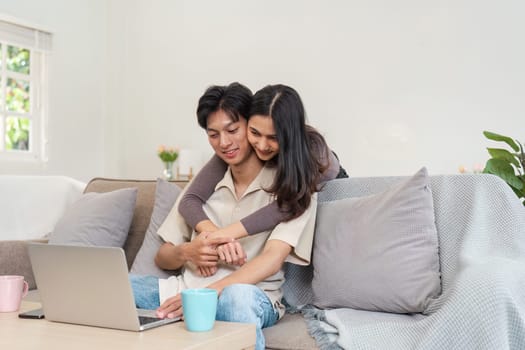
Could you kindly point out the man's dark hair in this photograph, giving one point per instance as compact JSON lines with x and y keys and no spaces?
{"x":235,"y":100}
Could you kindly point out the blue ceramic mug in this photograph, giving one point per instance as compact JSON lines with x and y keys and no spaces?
{"x":199,"y":306}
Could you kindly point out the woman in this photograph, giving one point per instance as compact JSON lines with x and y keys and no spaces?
{"x":278,"y":132}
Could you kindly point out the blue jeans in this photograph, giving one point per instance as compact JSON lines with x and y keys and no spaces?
{"x":248,"y":304}
{"x":237,"y":303}
{"x":145,"y":291}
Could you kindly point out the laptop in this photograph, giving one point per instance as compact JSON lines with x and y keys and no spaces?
{"x":88,"y":286}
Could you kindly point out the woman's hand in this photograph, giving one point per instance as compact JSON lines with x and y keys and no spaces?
{"x":232,"y":253}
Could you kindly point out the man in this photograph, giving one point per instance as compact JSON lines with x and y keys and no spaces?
{"x":249,"y":293}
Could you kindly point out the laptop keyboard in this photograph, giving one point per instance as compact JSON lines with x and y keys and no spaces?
{"x":145,"y":319}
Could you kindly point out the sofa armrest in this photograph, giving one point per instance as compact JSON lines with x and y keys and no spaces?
{"x":14,"y":260}
{"x":29,"y":196}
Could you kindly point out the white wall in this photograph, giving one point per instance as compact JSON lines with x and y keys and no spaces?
{"x":392,"y":85}
{"x":77,"y":110}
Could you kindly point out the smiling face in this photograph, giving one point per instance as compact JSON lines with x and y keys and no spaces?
{"x":228,"y":138}
{"x":262,"y":137}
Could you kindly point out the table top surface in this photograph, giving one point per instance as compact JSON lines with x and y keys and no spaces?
{"x":43,"y":334}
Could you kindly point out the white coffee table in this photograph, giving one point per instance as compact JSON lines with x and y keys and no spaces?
{"x":17,"y":333}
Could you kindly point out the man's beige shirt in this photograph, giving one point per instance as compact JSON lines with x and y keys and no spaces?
{"x":223,"y":208}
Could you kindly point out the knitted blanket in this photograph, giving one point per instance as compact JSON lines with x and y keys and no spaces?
{"x":481,"y":229}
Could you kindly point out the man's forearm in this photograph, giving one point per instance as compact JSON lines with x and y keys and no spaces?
{"x":201,"y":251}
{"x":170,"y":257}
{"x":259,"y":268}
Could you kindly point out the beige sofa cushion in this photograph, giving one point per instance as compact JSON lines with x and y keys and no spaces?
{"x":15,"y":260}
{"x":289,"y":333}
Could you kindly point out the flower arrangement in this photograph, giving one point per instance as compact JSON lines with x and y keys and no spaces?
{"x":476,"y":169}
{"x":167,"y":154}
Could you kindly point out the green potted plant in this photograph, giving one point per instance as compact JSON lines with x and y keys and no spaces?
{"x":508,"y":165}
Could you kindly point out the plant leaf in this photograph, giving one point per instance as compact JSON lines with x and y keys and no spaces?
{"x":519,"y":193}
{"x":503,"y":169}
{"x":505,"y":155}
{"x":498,"y":137}
{"x":521,"y":157}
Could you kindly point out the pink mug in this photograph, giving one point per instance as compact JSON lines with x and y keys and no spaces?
{"x":12,"y":290}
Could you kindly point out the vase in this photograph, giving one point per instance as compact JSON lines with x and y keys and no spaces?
{"x":168,"y":171}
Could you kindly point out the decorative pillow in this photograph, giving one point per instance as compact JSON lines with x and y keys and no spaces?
{"x":97,"y":219}
{"x":378,"y":252}
{"x":165,"y":196}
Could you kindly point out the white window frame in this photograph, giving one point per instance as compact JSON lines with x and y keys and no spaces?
{"x":38,"y":42}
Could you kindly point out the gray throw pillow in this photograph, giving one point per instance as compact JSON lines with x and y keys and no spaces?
{"x":97,"y":219}
{"x":378,"y":252}
{"x":165,"y":196}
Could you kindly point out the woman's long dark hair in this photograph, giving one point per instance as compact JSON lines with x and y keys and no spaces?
{"x":302,"y":150}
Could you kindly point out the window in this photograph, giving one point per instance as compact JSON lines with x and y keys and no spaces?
{"x":23,"y":91}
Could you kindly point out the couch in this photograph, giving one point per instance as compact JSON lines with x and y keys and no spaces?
{"x":480,"y":303}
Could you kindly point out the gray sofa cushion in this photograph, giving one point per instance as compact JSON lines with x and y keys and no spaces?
{"x":97,"y":219}
{"x":143,"y":208}
{"x":165,"y":196}
{"x":378,"y":252}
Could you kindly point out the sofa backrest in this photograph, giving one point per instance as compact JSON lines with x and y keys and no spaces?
{"x":464,"y":206}
{"x":475,"y":215}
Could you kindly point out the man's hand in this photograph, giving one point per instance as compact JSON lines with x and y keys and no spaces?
{"x":206,"y":228}
{"x":171,"y":308}
{"x":231,"y":253}
{"x":202,"y":250}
